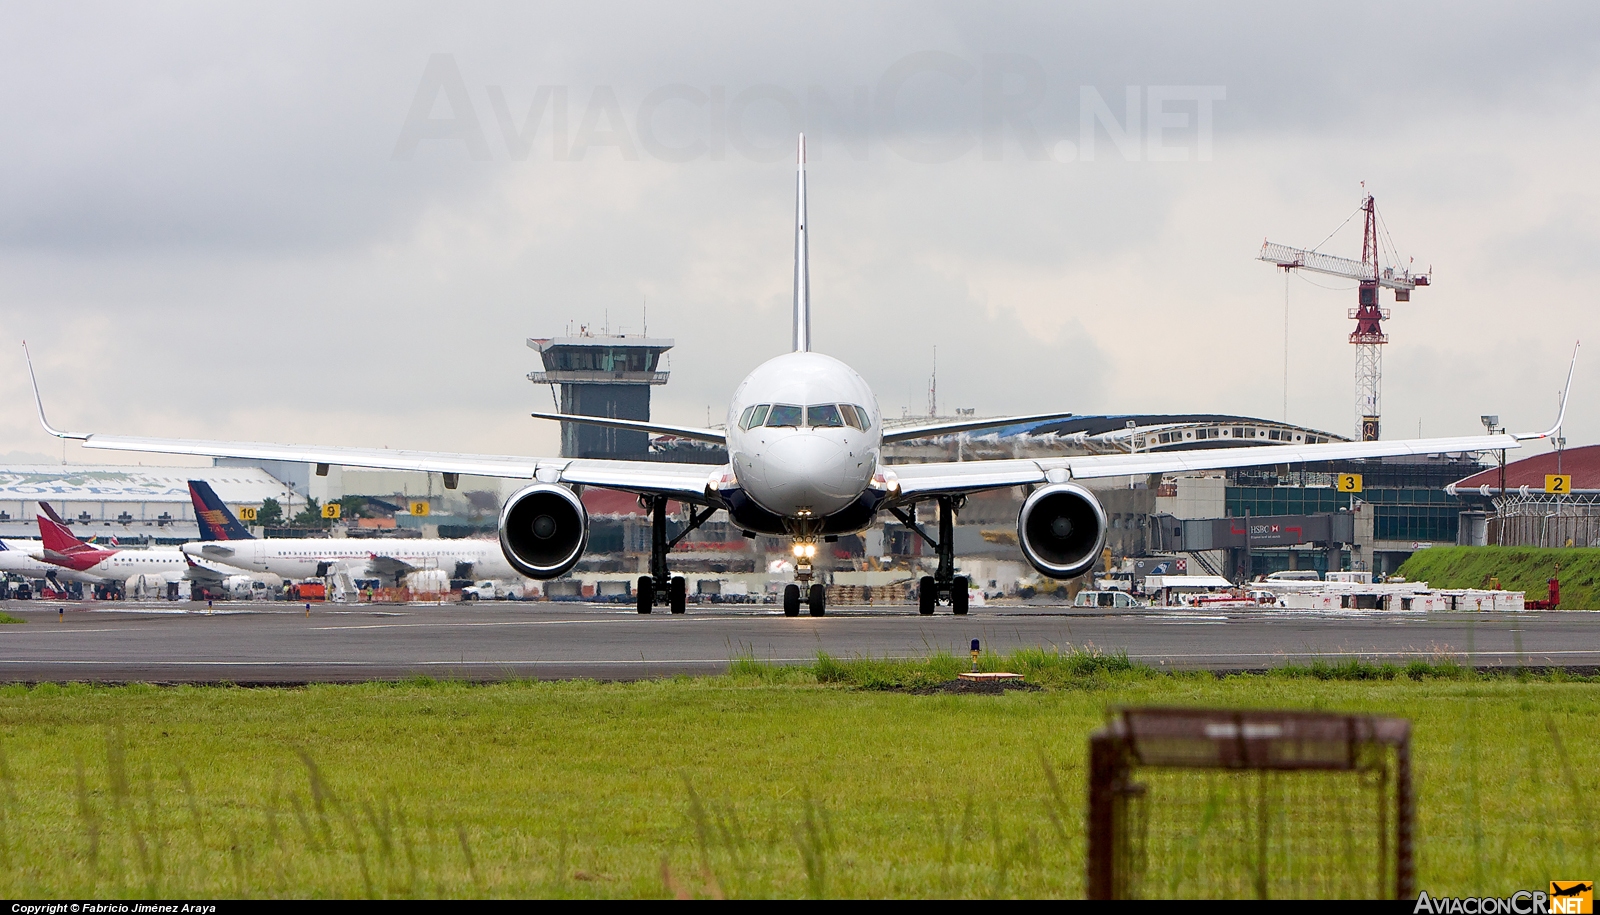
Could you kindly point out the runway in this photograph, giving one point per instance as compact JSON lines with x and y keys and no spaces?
{"x":280,"y":643}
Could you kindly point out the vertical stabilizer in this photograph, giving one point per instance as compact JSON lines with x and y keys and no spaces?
{"x":215,"y":520}
{"x":802,"y":261}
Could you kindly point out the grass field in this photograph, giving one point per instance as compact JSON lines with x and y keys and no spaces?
{"x":1518,"y":568}
{"x":831,"y":780}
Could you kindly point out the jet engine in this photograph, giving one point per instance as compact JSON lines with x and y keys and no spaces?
{"x":1062,"y":529}
{"x":543,"y":530}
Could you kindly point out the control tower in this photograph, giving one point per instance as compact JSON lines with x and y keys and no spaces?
{"x":602,"y":375}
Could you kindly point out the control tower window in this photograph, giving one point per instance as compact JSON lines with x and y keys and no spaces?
{"x":784,"y":415}
{"x":824,"y":416}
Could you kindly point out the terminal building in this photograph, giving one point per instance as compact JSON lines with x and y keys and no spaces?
{"x":136,"y":505}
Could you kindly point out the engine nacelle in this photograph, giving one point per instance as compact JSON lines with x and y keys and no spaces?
{"x":1062,"y":529}
{"x":543,"y":530}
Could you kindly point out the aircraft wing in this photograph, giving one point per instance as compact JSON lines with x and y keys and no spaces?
{"x":687,"y":481}
{"x":200,"y":571}
{"x":948,"y":477}
{"x":932,"y":430}
{"x":715,"y":436}
{"x":389,"y":567}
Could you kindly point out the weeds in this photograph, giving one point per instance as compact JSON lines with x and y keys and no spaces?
{"x":811,"y":780}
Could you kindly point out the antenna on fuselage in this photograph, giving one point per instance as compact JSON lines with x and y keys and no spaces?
{"x":802,"y":266}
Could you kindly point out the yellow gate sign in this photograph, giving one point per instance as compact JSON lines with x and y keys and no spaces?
{"x":1558,"y":483}
{"x":331,"y":510}
{"x":246,"y":513}
{"x":421,"y":508}
{"x":1349,"y":482}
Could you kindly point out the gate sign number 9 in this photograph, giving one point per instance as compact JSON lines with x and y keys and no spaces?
{"x":331,"y":510}
{"x":1349,"y":482}
{"x":1559,"y":483}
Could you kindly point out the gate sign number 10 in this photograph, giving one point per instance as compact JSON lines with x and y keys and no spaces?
{"x":1349,"y":482}
{"x":1559,"y":483}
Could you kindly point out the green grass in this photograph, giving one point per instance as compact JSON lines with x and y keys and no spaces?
{"x":1518,"y":568}
{"x":8,"y":618}
{"x":831,"y":779}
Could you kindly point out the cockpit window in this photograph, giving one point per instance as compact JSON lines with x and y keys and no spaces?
{"x":824,"y":416}
{"x":754,"y":417}
{"x":855,"y":416}
{"x":784,"y":415}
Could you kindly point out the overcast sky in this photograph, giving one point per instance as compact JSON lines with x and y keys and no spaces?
{"x":339,"y":223}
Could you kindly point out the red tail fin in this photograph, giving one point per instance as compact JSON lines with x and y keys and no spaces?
{"x":55,"y":534}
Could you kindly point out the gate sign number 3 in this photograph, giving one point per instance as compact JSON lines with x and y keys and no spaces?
{"x":1349,"y":482}
{"x":1560,"y":483}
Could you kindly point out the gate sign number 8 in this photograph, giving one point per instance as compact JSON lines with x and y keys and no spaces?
{"x":1349,"y":482}
{"x":1559,"y":483}
{"x":420,"y":508}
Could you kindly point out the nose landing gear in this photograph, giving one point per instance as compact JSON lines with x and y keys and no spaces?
{"x":660,"y":586}
{"x":815,"y":595}
{"x":944,"y":585}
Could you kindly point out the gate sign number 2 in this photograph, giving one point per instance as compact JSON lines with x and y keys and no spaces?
{"x":1559,"y":483}
{"x":1349,"y":482}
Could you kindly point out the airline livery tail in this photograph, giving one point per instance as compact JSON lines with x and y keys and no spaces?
{"x":61,"y":545}
{"x":216,"y":522}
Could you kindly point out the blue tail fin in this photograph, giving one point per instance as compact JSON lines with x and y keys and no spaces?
{"x":216,"y":522}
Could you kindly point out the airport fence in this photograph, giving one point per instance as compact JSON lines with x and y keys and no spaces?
{"x":1200,"y":803}
{"x":1545,"y":522}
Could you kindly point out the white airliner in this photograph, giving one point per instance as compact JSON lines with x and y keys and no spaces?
{"x":804,"y":436}
{"x":224,"y":540}
{"x":17,"y":558}
{"x":114,"y":568}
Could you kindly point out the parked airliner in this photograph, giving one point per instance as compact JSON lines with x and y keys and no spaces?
{"x":112,"y":568}
{"x":224,"y":540}
{"x":804,"y":436}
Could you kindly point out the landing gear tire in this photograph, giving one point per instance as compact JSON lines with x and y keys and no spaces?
{"x":791,"y":600}
{"x":958,"y":595}
{"x":927,"y":595}
{"x":680,"y":594}
{"x":818,"y":600}
{"x":645,"y":593}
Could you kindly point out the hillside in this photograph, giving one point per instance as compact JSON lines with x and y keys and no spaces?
{"x":1519,"y":569}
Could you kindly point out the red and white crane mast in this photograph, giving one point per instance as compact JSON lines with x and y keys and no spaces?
{"x":1368,"y":337}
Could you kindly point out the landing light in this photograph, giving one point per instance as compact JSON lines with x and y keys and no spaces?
{"x":804,"y":550}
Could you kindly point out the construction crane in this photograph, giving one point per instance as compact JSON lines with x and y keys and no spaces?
{"x":1369,"y":316}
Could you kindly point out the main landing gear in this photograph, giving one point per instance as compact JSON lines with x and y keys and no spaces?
{"x":944,"y":585}
{"x":660,"y":586}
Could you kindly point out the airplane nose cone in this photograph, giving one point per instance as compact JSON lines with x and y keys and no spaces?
{"x":808,"y":471}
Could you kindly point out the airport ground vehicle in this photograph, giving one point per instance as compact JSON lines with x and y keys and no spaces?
{"x":1106,"y":600}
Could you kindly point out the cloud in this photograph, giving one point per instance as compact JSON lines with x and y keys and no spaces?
{"x":205,"y":229}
